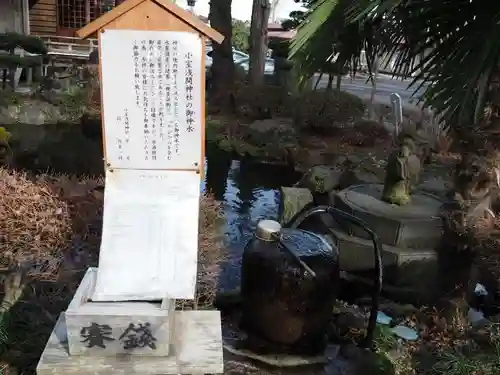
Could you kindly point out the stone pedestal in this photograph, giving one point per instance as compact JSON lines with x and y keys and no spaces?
{"x":132,"y":338}
{"x":409,"y":234}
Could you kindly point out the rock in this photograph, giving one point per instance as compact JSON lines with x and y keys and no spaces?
{"x":383,"y":319}
{"x":374,"y":364}
{"x":397,"y":310}
{"x":292,"y":201}
{"x":342,"y":173}
{"x":405,"y":333}
{"x":350,"y":351}
{"x":277,"y":360}
{"x":348,"y":322}
{"x":436,"y":186}
{"x":367,"y":362}
{"x":29,"y":112}
{"x":358,"y":171}
{"x":476,"y":318}
{"x":320,"y":179}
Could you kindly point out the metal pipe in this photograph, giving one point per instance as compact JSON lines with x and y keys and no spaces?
{"x":335,"y":213}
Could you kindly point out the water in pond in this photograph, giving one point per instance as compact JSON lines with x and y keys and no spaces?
{"x":249,"y":192}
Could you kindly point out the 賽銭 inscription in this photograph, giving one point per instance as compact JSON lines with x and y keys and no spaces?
{"x":138,"y":336}
{"x":135,"y":336}
{"x":152,"y":95}
{"x":96,"y":335}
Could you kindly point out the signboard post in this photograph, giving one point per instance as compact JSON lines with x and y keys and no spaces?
{"x":152,"y":74}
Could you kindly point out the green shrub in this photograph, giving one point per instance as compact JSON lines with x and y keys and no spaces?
{"x":323,"y":111}
{"x":255,"y":101}
{"x":31,"y":44}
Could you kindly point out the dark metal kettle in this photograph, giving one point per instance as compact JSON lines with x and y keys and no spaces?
{"x":290,"y":280}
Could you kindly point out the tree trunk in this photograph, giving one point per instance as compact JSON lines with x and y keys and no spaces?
{"x":258,"y":41}
{"x":222,"y":70}
{"x":329,"y":86}
{"x":339,"y":81}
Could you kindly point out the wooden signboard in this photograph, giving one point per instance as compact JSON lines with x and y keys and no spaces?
{"x":152,"y":73}
{"x":122,"y":318}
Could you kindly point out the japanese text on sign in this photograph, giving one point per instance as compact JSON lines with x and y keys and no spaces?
{"x":133,"y":337}
{"x":152,"y":94}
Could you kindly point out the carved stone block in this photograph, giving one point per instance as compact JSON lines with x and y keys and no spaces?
{"x":113,"y":328}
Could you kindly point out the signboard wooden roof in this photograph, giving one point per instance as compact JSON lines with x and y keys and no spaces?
{"x":146,"y":17}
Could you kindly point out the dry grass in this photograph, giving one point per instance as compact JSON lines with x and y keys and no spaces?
{"x":210,"y":255}
{"x":35,"y":225}
{"x":84,"y":197}
{"x":81,"y":201}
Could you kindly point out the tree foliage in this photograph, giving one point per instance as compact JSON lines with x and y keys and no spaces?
{"x":241,"y":33}
{"x":453,"y":46}
{"x":324,"y":37}
{"x":10,"y":41}
{"x":296,"y":17}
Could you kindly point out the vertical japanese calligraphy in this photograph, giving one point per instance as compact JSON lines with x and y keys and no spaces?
{"x":190,"y":111}
{"x":175,"y":74}
{"x":152,"y":95}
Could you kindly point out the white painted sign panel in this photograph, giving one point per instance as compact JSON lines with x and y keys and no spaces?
{"x":152,"y":99}
{"x":149,"y":246}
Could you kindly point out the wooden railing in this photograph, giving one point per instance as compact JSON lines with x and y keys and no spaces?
{"x":69,"y":47}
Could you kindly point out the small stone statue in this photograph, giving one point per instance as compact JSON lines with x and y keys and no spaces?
{"x":476,"y":177}
{"x":402,"y":172}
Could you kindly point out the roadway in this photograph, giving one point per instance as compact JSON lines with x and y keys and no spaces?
{"x":386,"y":85}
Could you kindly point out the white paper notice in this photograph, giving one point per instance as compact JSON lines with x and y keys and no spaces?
{"x":152,"y":96}
{"x":149,"y":245}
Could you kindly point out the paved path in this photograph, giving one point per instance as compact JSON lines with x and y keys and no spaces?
{"x":386,"y":85}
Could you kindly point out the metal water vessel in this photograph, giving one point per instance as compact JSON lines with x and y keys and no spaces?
{"x":290,"y":282}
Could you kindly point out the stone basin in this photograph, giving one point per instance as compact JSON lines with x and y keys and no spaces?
{"x":409,"y":235}
{"x":416,"y":226}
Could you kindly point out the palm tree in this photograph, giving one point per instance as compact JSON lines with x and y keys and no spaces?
{"x":451,"y":45}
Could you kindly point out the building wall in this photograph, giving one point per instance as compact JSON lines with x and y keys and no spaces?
{"x":11,"y":16}
{"x":43,"y":18}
